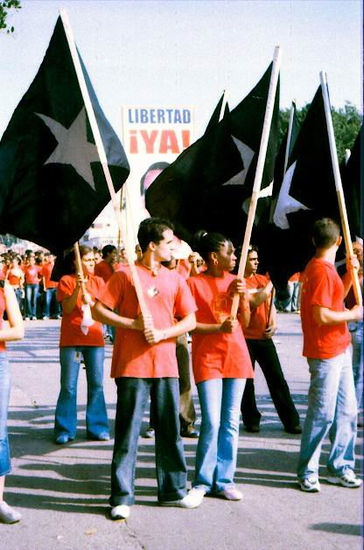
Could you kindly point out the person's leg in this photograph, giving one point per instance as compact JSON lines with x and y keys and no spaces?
{"x":97,"y":423}
{"x":66,"y":409}
{"x":322,"y":399}
{"x":357,"y":359}
{"x":266,"y":356}
{"x":7,"y":514}
{"x":4,"y":404}
{"x":47,"y":303}
{"x":343,"y":430}
{"x":210,"y":395}
{"x":187,"y":412}
{"x":28,"y":300}
{"x":249,"y":411}
{"x":227,"y":452}
{"x":33,"y":300}
{"x":170,"y":461}
{"x":132,"y":397}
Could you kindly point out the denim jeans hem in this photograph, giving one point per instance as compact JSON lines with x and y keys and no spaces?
{"x":117,"y":501}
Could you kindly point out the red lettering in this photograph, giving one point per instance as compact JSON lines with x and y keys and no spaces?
{"x":168,"y":142}
{"x":185,"y":138}
{"x":133,"y":147}
{"x":149,"y":139}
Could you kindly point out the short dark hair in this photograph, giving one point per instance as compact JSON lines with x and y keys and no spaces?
{"x":325,"y":232}
{"x":205,"y":243}
{"x":108,"y":248}
{"x":151,"y":231}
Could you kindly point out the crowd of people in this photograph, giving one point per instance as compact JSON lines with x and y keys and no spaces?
{"x":149,"y":313}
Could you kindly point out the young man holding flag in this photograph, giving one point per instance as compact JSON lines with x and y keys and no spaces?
{"x":144,"y":363}
{"x":332,"y":408}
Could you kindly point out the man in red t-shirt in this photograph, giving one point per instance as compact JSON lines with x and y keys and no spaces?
{"x":258,"y":335}
{"x":144,"y":363}
{"x":332,"y":408}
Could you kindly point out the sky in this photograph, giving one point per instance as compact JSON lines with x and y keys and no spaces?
{"x":172,"y":53}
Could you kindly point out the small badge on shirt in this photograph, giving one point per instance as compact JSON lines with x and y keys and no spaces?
{"x":152,"y":291}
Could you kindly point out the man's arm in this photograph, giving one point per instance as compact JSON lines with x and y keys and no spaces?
{"x":186,"y":324}
{"x":261,"y":295}
{"x":108,"y":317}
{"x":326,"y":316}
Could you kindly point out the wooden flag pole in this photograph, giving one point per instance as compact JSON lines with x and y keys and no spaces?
{"x":100,"y":150}
{"x":258,"y":172}
{"x":289,"y":135}
{"x":339,"y":186}
{"x":79,"y":268}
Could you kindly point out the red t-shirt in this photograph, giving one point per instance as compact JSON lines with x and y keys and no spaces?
{"x":217,"y":355}
{"x":46,"y":272}
{"x":71,"y":334}
{"x":167,"y":296}
{"x":258,"y":315}
{"x":104,"y":270}
{"x":323,"y":287}
{"x":31,"y":274}
{"x":2,"y":309}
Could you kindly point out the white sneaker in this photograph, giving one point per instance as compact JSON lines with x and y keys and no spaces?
{"x":348,"y":479}
{"x":230,"y":493}
{"x":120,"y":512}
{"x":309,"y":485}
{"x":195,"y":497}
{"x":189,"y":501}
{"x":8,"y":514}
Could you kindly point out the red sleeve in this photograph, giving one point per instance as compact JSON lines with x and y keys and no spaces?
{"x":66,"y":287}
{"x":184,"y":303}
{"x":114,"y":289}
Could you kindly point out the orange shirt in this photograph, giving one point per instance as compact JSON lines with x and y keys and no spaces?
{"x":167,"y":296}
{"x":258,"y":315}
{"x":46,"y":272}
{"x":2,"y":310}
{"x":31,"y":273}
{"x":323,"y":287}
{"x":71,"y":334}
{"x":217,"y":355}
{"x":104,"y":270}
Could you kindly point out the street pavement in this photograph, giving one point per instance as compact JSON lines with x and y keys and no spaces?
{"x":62,"y":491}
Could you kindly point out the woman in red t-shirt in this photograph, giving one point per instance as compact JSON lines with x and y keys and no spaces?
{"x":13,"y":330}
{"x":221,"y":363}
{"x":32,"y":277}
{"x":80,"y":336}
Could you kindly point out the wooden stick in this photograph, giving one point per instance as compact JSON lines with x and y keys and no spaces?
{"x":79,"y":268}
{"x":100,"y":149}
{"x":339,"y":187}
{"x":258,"y":173}
{"x":270,"y":309}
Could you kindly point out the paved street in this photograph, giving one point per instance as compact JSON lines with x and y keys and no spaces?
{"x":62,"y":491}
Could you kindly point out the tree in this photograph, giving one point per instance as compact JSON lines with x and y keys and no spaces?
{"x":346,"y":121}
{"x":5,"y":6}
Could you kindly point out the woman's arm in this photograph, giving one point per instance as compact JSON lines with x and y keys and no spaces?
{"x":15,"y":328}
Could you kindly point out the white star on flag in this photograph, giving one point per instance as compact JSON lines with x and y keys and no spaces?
{"x":73,"y":147}
{"x":247,"y":155}
{"x":285,"y":203}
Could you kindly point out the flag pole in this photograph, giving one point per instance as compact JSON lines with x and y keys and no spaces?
{"x":100,"y":149}
{"x":339,"y":186}
{"x":289,"y":135}
{"x":258,"y":172}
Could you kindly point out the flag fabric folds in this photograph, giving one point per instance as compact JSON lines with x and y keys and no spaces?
{"x":306,"y":193}
{"x":52,"y":185}
{"x":208,"y":184}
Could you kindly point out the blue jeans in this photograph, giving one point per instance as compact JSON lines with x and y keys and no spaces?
{"x":49,"y":297}
{"x":332,"y":411}
{"x":133,"y":394}
{"x":66,"y":410}
{"x":31,"y":295}
{"x":356,"y":331}
{"x":217,"y":447}
{"x":4,"y":403}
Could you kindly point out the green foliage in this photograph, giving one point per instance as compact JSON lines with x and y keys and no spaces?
{"x":346,"y":122}
{"x":5,"y":6}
